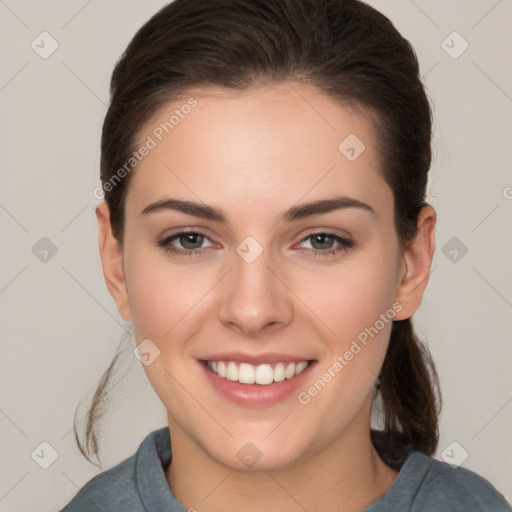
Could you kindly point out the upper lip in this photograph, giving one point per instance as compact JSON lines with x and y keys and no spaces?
{"x":255,"y":359}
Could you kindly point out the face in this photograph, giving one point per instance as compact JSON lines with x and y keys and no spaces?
{"x":259,"y":246}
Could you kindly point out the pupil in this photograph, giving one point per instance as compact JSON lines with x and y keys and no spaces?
{"x":191,"y":239}
{"x":322,"y":239}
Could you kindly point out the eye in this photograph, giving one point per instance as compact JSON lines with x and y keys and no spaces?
{"x":326,"y":244}
{"x":190,"y":243}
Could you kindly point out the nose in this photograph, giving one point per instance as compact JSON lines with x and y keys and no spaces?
{"x":255,"y":297}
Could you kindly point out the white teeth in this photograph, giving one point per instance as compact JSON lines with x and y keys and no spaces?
{"x":300,"y":367}
{"x":232,"y":371}
{"x":262,"y":374}
{"x":245,"y":374}
{"x":289,"y":371}
{"x":279,"y":372}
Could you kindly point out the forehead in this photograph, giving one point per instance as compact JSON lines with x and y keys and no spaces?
{"x":273,"y":144}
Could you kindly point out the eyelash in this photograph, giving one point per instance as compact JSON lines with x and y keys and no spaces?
{"x":165,"y":244}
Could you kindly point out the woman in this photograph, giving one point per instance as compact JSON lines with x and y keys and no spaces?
{"x":265,"y":229}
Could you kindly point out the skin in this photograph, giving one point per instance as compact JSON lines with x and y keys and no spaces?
{"x":254,"y":154}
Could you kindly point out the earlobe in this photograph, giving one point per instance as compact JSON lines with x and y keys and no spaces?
{"x":112,"y":261}
{"x":416,"y":264}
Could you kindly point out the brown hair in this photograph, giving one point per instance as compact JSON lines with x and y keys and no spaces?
{"x":347,"y":50}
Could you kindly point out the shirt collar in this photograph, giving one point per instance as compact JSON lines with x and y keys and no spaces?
{"x":153,"y":458}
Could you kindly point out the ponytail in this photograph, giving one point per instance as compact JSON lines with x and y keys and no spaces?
{"x":408,"y":391}
{"x":95,"y":412}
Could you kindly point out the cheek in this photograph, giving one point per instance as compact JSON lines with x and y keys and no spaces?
{"x":352,"y":296}
{"x":355,"y":302}
{"x":354,"y":305}
{"x":160,"y":297}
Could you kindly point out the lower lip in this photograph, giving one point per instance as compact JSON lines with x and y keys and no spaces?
{"x":257,"y":395}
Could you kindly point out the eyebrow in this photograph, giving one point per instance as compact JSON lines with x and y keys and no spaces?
{"x":295,"y":213}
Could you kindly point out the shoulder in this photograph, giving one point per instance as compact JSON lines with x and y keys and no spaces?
{"x":444,"y":487}
{"x":110,"y":490}
{"x":119,"y":488}
{"x":429,"y":485}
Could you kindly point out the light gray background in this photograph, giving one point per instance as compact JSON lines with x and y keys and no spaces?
{"x":59,"y":325}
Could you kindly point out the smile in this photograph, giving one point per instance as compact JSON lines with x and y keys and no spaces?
{"x":263,"y":374}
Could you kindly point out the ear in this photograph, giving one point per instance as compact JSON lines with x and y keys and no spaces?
{"x":416,"y":263}
{"x":111,"y":254}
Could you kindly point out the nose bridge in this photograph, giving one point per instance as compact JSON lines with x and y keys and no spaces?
{"x":254,"y":297}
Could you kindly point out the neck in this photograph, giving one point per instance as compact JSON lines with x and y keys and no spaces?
{"x":346,"y":475}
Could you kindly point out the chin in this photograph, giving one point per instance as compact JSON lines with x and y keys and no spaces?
{"x":241,"y":454}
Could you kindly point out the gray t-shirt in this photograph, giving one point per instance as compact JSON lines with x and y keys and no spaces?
{"x":138,"y":484}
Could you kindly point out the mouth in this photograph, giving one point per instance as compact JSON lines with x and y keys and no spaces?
{"x":262,"y":374}
{"x":257,"y":382}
